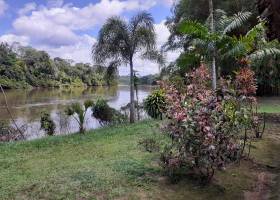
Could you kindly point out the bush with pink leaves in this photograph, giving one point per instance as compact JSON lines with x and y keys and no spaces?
{"x":206,"y":126}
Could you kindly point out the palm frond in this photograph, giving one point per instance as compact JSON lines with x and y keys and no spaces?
{"x":236,"y":21}
{"x":194,"y":29}
{"x":113,"y":41}
{"x":237,"y":48}
{"x":264,"y":53}
{"x":257,"y":32}
{"x":142,"y":31}
{"x":155,"y":56}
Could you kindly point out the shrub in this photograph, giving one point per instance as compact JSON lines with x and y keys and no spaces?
{"x":105,"y":114}
{"x":9,"y":133}
{"x":47,"y":124}
{"x":149,"y":145}
{"x":205,"y":126}
{"x":79,"y":112}
{"x":155,"y":104}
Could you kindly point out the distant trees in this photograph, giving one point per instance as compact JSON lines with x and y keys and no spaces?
{"x":120,"y":41}
{"x":24,"y":67}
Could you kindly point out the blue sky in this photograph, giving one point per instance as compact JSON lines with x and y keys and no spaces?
{"x":68,"y":28}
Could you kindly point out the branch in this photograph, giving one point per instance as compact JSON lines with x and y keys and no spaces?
{"x":10,"y":113}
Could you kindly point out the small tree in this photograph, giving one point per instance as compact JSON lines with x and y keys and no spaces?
{"x":79,"y":112}
{"x":47,"y":124}
{"x":155,"y":104}
{"x":105,"y":114}
{"x":121,"y":41}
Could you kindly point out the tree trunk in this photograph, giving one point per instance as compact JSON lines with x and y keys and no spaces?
{"x":214,"y":71}
{"x":132,"y":102}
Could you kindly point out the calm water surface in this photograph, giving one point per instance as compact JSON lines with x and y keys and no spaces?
{"x":27,"y":105}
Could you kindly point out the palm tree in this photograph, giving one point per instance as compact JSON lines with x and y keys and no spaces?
{"x":119,"y":40}
{"x":212,"y":27}
{"x":211,"y":41}
{"x":253,"y":46}
{"x":78,"y":112}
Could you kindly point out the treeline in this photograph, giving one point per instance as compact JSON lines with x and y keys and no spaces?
{"x":23,"y":67}
{"x":140,"y":80}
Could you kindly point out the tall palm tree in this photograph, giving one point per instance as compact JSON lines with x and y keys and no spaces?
{"x":212,"y":28}
{"x":253,"y":46}
{"x":120,"y":41}
{"x":211,"y":41}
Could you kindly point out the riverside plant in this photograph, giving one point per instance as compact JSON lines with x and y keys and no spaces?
{"x":105,"y":114}
{"x":206,"y":126}
{"x":155,"y":104}
{"x":47,"y":124}
{"x":78,"y":112}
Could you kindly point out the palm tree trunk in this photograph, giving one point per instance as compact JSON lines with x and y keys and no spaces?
{"x":132,"y":102}
{"x":137,"y":100}
{"x":214,"y":71}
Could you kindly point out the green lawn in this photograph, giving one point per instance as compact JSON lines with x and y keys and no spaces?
{"x":269,"y":105}
{"x":109,"y":164}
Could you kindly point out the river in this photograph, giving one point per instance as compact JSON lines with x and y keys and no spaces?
{"x":27,"y":105}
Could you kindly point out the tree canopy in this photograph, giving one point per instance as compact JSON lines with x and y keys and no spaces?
{"x":27,"y":67}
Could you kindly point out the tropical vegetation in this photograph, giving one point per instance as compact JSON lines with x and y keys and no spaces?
{"x":120,"y":41}
{"x":206,"y":127}
{"x":79,"y":112}
{"x":23,"y":67}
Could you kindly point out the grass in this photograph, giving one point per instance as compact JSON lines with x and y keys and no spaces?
{"x":109,"y":164}
{"x":269,"y":105}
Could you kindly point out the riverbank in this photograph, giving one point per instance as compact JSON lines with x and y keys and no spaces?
{"x":108,"y":163}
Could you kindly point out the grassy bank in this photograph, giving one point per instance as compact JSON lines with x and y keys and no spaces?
{"x":269,"y":105}
{"x":109,"y":164}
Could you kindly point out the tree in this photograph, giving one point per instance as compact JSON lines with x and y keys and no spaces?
{"x":270,"y":10}
{"x":212,"y":28}
{"x":121,"y":41}
{"x":198,"y":10}
{"x":79,"y":111}
{"x":210,"y":42}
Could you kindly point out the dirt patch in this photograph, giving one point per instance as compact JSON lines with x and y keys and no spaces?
{"x":262,"y":187}
{"x":271,"y":117}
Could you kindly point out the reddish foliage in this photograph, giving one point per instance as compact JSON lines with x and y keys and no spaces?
{"x":245,"y":82}
{"x":205,"y":127}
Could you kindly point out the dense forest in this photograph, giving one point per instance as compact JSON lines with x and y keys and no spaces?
{"x":23,"y":67}
{"x":252,"y":27}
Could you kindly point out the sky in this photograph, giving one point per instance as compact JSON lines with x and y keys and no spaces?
{"x":69,"y":28}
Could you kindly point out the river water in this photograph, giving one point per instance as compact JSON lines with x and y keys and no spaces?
{"x":27,"y":106}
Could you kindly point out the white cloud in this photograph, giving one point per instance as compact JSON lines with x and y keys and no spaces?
{"x":57,"y":25}
{"x":44,"y":31}
{"x":11,"y":38}
{"x":3,"y":7}
{"x":79,"y":52}
{"x":27,"y":8}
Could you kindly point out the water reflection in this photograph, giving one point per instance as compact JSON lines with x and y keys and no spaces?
{"x":27,"y":105}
